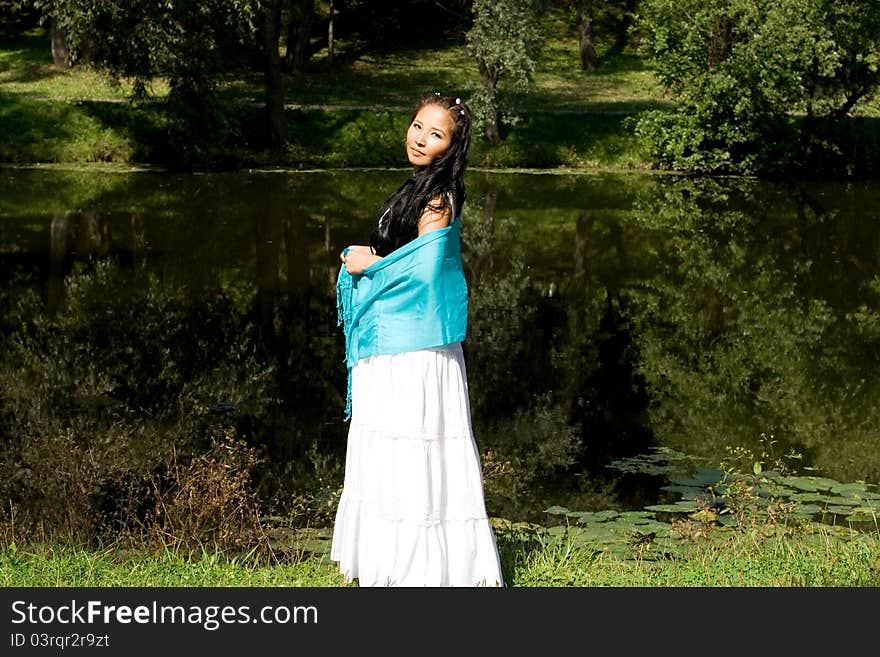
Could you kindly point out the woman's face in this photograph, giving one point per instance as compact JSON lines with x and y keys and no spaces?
{"x":429,"y":135}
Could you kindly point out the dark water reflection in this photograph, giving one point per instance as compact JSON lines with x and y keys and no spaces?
{"x":609,"y":314}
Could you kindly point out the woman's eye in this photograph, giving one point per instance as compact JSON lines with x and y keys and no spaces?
{"x":436,"y":134}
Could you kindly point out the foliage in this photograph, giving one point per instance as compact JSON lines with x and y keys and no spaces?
{"x":715,"y":507}
{"x":578,"y":132}
{"x":186,"y":42}
{"x":16,"y":16}
{"x":529,"y":557}
{"x":645,"y":310}
{"x":505,"y":40}
{"x":189,"y":44}
{"x":736,"y":330}
{"x":110,"y":394}
{"x":37,"y":131}
{"x":382,"y":26}
{"x":610,"y":21}
{"x":761,"y":85}
{"x":208,"y":501}
{"x":823,"y":558}
{"x":68,"y":564}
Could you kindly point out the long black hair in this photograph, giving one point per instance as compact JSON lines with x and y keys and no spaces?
{"x":399,"y":216}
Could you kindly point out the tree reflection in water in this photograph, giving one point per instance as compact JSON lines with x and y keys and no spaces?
{"x":146,"y":315}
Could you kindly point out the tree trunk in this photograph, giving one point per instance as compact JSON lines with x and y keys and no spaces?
{"x":298,"y":279}
{"x":298,"y":33}
{"x":267,"y":238}
{"x":589,"y":59}
{"x":138,"y":241}
{"x":60,"y":51}
{"x":720,"y":41}
{"x":490,"y":84}
{"x":330,"y":36}
{"x":621,"y":31}
{"x":493,"y":134}
{"x":490,"y":201}
{"x":333,"y":269}
{"x":273,"y":83}
{"x":57,"y":260}
{"x":93,"y":236}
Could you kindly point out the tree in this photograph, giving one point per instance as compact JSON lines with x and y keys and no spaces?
{"x":299,"y":31}
{"x":274,"y":88}
{"x":505,"y":39}
{"x":589,"y":59}
{"x":60,"y":51}
{"x":189,"y":43}
{"x":605,"y":22}
{"x":619,"y":20}
{"x":761,"y":85}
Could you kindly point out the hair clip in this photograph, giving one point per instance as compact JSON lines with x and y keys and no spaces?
{"x":458,"y":101}
{"x":436,"y":93}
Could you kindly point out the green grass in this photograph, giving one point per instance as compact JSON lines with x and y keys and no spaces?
{"x":388,"y":80}
{"x":761,"y":558}
{"x":340,"y":138}
{"x":26,"y":69}
{"x":69,"y":565}
{"x":622,"y":84}
{"x":65,"y":131}
{"x":743,"y":560}
{"x":351,"y":114}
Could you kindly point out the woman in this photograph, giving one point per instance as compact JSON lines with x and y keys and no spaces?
{"x":412,"y":511}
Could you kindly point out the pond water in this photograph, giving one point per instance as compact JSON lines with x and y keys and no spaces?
{"x":610,"y":315}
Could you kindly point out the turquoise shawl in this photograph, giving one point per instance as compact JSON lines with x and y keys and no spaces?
{"x":416,"y":297}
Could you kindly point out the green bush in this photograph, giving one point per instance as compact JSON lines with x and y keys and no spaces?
{"x":761,"y":85}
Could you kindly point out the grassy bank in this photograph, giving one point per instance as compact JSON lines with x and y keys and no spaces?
{"x":754,"y":559}
{"x":351,"y":114}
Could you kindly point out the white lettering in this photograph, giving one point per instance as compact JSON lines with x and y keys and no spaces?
{"x":16,"y":610}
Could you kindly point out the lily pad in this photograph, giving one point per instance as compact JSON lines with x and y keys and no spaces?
{"x":660,"y":461}
{"x":842,"y":501}
{"x":601,"y":516}
{"x":686,"y":492}
{"x":862,"y":517}
{"x":583,"y":516}
{"x":856,"y":493}
{"x":682,"y":506}
{"x":855,"y":487}
{"x":594,"y":534}
{"x":808,"y":497}
{"x":811,"y":483}
{"x":637,"y":517}
{"x":867,"y":509}
{"x":648,"y":527}
{"x":839,"y":510}
{"x":557,"y":510}
{"x":806,"y":510}
{"x":702,"y":477}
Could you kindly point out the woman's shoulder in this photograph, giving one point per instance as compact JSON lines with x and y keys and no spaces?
{"x":438,"y":213}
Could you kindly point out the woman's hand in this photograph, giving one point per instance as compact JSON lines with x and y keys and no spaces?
{"x":358,"y":259}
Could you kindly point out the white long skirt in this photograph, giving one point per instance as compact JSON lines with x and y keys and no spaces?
{"x":412,"y":510}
